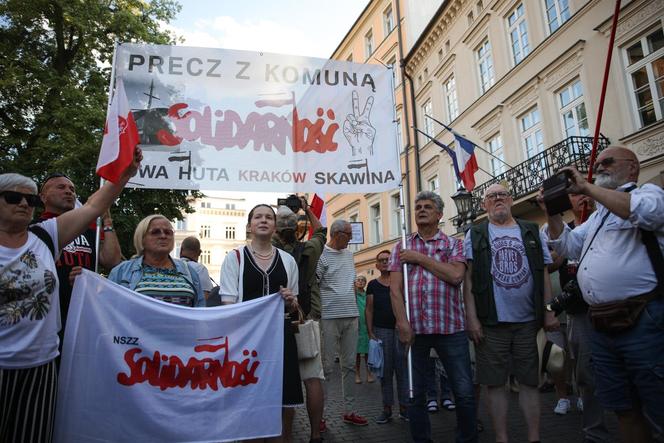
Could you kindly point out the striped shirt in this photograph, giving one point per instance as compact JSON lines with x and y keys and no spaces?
{"x":166,"y":285}
{"x":336,"y":278}
{"x":436,"y":307}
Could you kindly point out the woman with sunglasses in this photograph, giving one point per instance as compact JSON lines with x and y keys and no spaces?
{"x":255,"y":271}
{"x":29,"y":301}
{"x":153,"y":272}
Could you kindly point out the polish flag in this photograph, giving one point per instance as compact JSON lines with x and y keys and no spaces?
{"x":120,"y":137}
{"x":317,"y":206}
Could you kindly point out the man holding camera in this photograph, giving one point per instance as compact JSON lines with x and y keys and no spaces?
{"x":619,"y":251}
{"x":505,"y":290}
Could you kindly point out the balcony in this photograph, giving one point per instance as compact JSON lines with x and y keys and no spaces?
{"x":527,"y":177}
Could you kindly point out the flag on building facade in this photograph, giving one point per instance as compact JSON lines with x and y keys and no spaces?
{"x":120,"y":137}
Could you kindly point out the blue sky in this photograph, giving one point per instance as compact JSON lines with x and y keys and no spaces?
{"x":310,"y":28}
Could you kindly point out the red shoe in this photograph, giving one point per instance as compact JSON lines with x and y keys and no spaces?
{"x":323,"y":426}
{"x":355,"y":419}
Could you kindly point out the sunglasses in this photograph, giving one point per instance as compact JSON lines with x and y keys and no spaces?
{"x":608,"y":161}
{"x":158,"y":231}
{"x":14,"y":198}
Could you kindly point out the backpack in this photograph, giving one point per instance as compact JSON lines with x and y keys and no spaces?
{"x":44,"y":237}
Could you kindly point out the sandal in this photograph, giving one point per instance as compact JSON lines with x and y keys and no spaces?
{"x":432,"y":406}
{"x":449,"y":405}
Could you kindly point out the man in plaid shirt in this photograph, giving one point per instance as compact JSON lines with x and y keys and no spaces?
{"x":436,"y":266}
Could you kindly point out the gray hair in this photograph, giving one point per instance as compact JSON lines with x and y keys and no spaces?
{"x":435,"y":198}
{"x":286,"y":219}
{"x":11,"y":181}
{"x":338,"y":225}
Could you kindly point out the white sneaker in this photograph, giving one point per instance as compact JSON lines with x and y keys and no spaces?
{"x":562,"y":407}
{"x":579,"y":404}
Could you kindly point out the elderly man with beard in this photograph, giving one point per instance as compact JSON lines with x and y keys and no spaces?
{"x":505,"y":290}
{"x":619,"y":249}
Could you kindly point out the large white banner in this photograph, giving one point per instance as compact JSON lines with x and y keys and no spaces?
{"x":139,"y":370}
{"x":248,"y":121}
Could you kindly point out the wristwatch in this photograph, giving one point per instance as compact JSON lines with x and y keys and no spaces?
{"x":108,"y":229}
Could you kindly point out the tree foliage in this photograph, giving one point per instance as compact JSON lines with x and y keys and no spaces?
{"x":55,"y":59}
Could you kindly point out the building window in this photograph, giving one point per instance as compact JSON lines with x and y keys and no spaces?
{"x":205,"y":231}
{"x":230,"y":205}
{"x":516,"y":23}
{"x":495,"y":147}
{"x":388,"y":20}
{"x":206,"y":205}
{"x":181,"y":225}
{"x":573,"y":110}
{"x":230,"y":232}
{"x":531,"y":132}
{"x":645,"y":68}
{"x":451,"y":99}
{"x":433,"y":184}
{"x":205,"y":257}
{"x":353,"y":219}
{"x":485,"y":65}
{"x":395,"y":71}
{"x":368,"y":44}
{"x":376,"y":226}
{"x":395,"y":223}
{"x":399,"y":134}
{"x":557,"y":13}
{"x":427,"y":109}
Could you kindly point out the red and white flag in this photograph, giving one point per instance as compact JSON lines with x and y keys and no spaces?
{"x":120,"y":139}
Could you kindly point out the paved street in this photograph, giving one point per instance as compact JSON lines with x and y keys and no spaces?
{"x":555,"y":428}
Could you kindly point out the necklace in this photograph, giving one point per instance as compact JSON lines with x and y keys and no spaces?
{"x":263,"y":256}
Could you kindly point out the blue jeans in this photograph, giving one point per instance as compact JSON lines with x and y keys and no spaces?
{"x":437,"y":371}
{"x":453,"y":352}
{"x":629,"y":366}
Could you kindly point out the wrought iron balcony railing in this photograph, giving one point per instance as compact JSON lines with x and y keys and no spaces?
{"x":527,"y":177}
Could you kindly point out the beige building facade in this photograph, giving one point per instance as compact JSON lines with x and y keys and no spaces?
{"x":220,"y":225}
{"x":522,"y":79}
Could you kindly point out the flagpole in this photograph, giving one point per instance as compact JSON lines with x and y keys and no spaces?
{"x":402,"y":216}
{"x":475,"y":144}
{"x":101,"y":180}
{"x":438,"y":143}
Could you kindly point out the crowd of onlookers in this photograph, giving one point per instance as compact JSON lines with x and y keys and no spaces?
{"x":468,"y":310}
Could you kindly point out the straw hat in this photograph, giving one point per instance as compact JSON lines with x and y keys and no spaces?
{"x":551,"y":356}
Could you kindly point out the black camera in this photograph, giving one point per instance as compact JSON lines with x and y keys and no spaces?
{"x":292,"y":202}
{"x":555,"y":194}
{"x":570,"y":295}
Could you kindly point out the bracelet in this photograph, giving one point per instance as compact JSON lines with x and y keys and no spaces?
{"x":108,"y":229}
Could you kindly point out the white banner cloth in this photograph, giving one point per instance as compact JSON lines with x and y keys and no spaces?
{"x":219,"y":119}
{"x":137,"y":369}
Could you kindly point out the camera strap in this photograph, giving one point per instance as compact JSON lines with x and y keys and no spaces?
{"x":594,"y":235}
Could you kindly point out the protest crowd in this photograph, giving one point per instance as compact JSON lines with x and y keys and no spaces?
{"x":463,"y":300}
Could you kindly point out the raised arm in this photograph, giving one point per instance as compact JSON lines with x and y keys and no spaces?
{"x":72,"y":223}
{"x":110,"y":253}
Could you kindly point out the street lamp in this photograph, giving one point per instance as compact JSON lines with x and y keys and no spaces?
{"x":464,"y":203}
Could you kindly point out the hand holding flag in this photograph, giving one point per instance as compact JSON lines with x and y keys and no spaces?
{"x":120,"y":138}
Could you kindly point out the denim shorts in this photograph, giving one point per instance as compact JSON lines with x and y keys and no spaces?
{"x":629,"y":366}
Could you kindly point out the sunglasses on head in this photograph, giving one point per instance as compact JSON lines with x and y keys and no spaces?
{"x":158,"y":231}
{"x":608,"y":161}
{"x":14,"y":198}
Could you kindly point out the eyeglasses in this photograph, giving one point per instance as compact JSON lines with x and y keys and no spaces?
{"x":383,"y":260}
{"x":348,"y":233}
{"x":608,"y":161}
{"x":14,"y":198}
{"x":158,"y":231}
{"x":496,"y":195}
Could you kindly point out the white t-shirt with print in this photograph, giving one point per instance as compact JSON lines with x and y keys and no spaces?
{"x":29,"y":302}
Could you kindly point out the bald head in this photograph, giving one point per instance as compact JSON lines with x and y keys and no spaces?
{"x":615,"y":166}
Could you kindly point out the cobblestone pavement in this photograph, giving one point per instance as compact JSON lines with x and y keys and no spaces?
{"x":554,"y":428}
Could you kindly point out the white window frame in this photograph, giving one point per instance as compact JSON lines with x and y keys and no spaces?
{"x":388,"y":20}
{"x":427,"y":109}
{"x":575,"y":107}
{"x":206,"y":231}
{"x":399,"y":133}
{"x":354,"y":217}
{"x":485,"y":70}
{"x":646,"y":62}
{"x":451,"y":99}
{"x":562,"y":11}
{"x":230,"y":233}
{"x":368,"y":44}
{"x":433,"y":184}
{"x":395,"y":212}
{"x":205,"y":257}
{"x":376,"y":224}
{"x":532,"y":133}
{"x":395,"y":70}
{"x":495,"y":146}
{"x":181,"y":225}
{"x":517,"y":28}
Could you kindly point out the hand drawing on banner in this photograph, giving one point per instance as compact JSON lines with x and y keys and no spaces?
{"x":358,"y":129}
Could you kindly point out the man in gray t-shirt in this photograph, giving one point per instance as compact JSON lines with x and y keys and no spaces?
{"x":505,"y":289}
